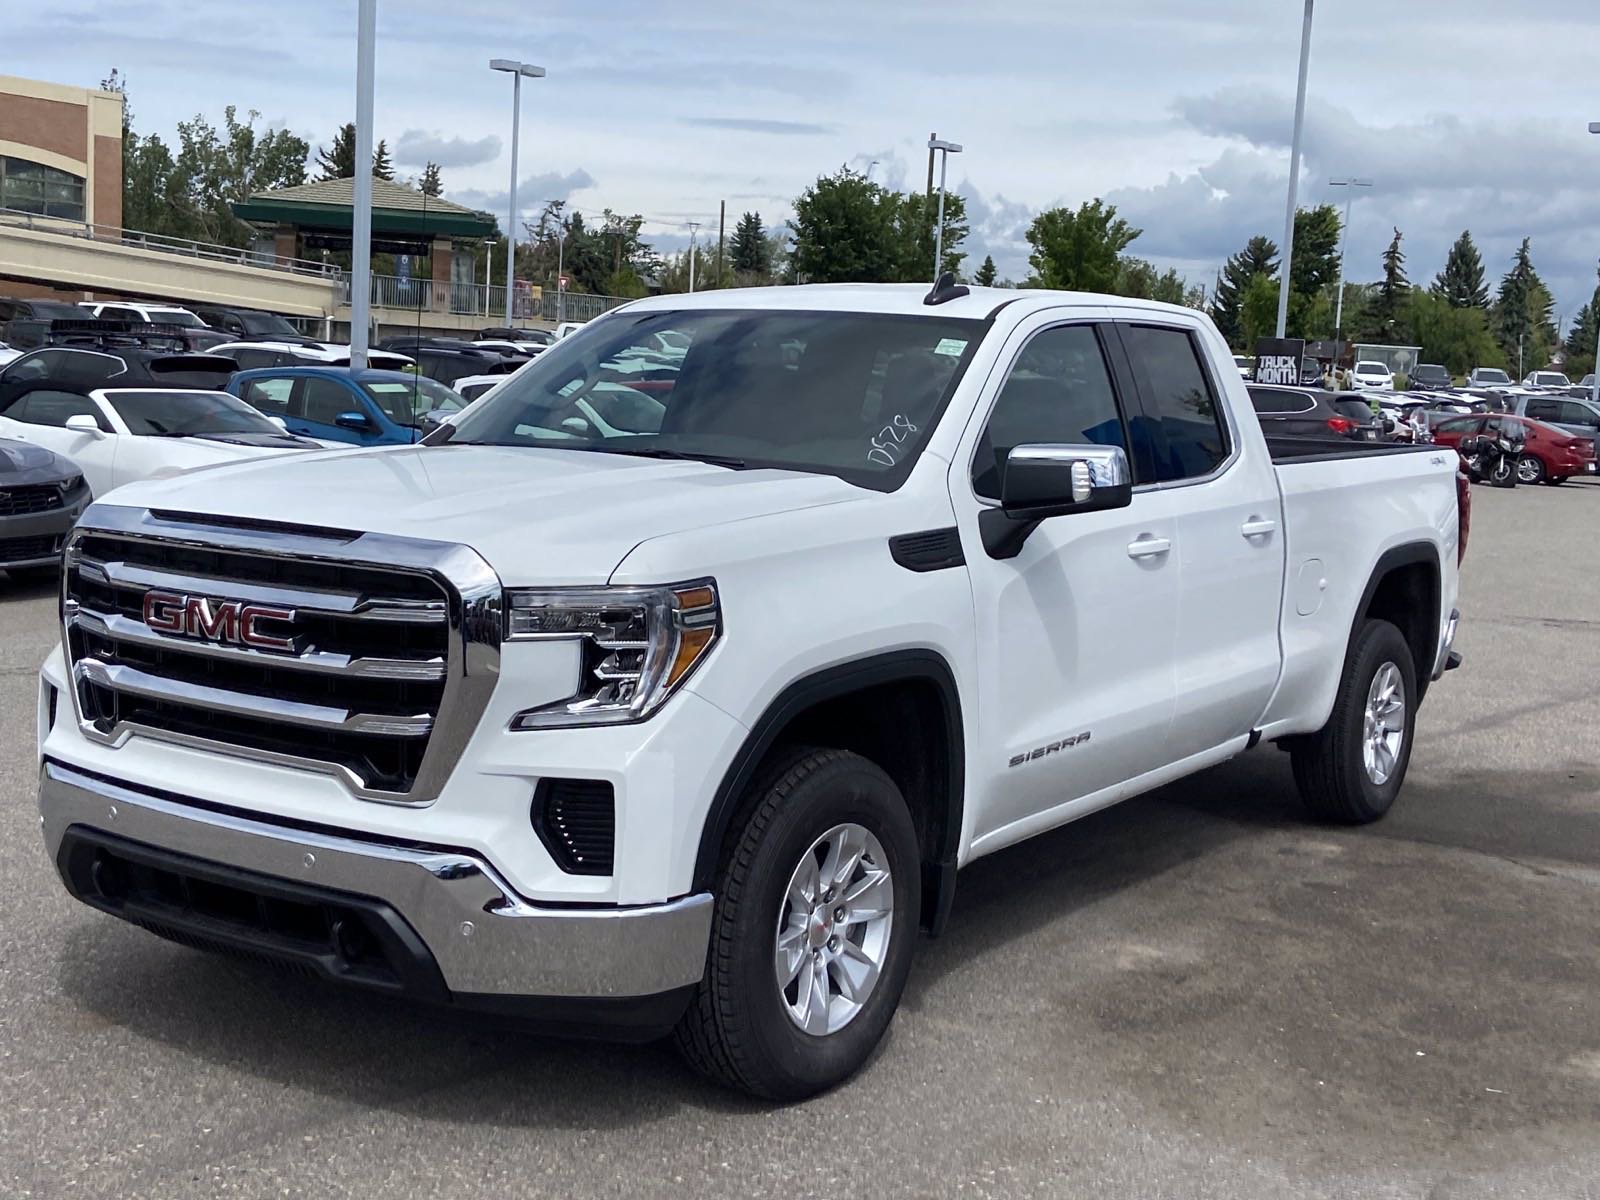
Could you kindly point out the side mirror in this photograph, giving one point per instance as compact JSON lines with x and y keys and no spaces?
{"x":280,"y":423}
{"x":84,"y":423}
{"x":1043,"y":481}
{"x":353,"y":420}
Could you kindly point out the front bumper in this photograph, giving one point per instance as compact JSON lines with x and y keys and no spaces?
{"x":461,"y":933}
{"x":34,"y":539}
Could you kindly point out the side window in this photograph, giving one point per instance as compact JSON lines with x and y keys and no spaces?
{"x":250,"y":360}
{"x":1176,"y":392}
{"x":270,"y":396}
{"x":1578,"y":414}
{"x":1544,"y":410}
{"x":1059,"y":391}
{"x":53,"y":408}
{"x":1270,"y":402}
{"x":325,"y":400}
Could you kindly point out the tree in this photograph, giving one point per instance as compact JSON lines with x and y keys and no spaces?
{"x":1387,"y":309}
{"x":431,"y":184}
{"x":915,"y":216}
{"x":382,"y":168}
{"x":1079,"y":250}
{"x":1581,"y":337}
{"x":1258,"y":309}
{"x":338,"y":160}
{"x":1521,"y":316}
{"x":1314,"y":273}
{"x":986,"y":273}
{"x":847,"y":228}
{"x":1259,"y":257}
{"x":1457,"y":337}
{"x":749,"y":251}
{"x":1461,"y":283}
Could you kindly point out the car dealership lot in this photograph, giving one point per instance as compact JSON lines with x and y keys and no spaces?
{"x":1193,"y":994}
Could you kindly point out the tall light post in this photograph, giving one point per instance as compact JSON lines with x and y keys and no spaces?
{"x":945,"y":149}
{"x":517,"y":70}
{"x":1344,"y":241}
{"x":488,"y":272}
{"x":1294,"y":173}
{"x":1594,"y":127}
{"x":694,"y":227}
{"x":361,"y":186}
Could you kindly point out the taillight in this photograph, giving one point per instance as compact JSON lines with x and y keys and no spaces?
{"x":1341,"y":424}
{"x":1463,"y":514}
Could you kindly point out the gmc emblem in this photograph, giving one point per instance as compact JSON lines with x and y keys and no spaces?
{"x":232,"y":622}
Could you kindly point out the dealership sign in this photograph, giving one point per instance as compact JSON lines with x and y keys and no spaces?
{"x":1278,"y":360}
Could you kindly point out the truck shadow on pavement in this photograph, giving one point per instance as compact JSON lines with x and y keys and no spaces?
{"x":1233,"y":832}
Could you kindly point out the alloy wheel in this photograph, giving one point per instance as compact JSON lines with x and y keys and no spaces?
{"x":1384,"y":726}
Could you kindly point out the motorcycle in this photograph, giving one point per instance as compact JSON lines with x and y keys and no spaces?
{"x":1492,"y":456}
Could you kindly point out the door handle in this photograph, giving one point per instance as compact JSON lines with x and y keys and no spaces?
{"x":1258,"y":527}
{"x":1148,"y":547}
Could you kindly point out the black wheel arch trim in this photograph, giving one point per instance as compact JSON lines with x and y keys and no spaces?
{"x":1406,"y":555}
{"x":830,"y":683}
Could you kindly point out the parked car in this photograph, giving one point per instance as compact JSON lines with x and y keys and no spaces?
{"x":568,"y":328}
{"x":1367,"y":374}
{"x":342,"y":404}
{"x":250,"y":324}
{"x":509,"y":349}
{"x":1488,"y":377}
{"x":1246,"y":365}
{"x":110,"y":361}
{"x":540,"y":337}
{"x":1584,"y":388}
{"x":691,"y":728}
{"x":1311,"y":412}
{"x":42,"y":495}
{"x":29,"y":309}
{"x":1429,"y":376}
{"x":256,"y":354}
{"x":1574,"y":416}
{"x":119,"y":435}
{"x":447,"y":364}
{"x":1549,"y":454}
{"x":470,"y":387}
{"x":7,"y":354}
{"x":1311,"y":372}
{"x":137,"y":310}
{"x":1546,"y":381}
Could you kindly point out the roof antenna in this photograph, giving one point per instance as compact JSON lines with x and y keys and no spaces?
{"x":946,"y":289}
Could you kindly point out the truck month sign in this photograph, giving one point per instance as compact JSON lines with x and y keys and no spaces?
{"x":1278,"y":360}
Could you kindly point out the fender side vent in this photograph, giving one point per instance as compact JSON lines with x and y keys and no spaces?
{"x":576,"y":819}
{"x":930,"y":550}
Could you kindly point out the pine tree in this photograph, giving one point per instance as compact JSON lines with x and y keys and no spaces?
{"x":986,"y":273}
{"x":1461,"y":282}
{"x":1581,"y":337}
{"x":1389,"y":303}
{"x":1522,"y":309}
{"x":382,"y":168}
{"x":338,"y":161}
{"x":749,"y":251}
{"x":1259,"y":257}
{"x":430,"y":184}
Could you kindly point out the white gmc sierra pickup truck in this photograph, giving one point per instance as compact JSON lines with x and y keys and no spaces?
{"x":667,"y":689}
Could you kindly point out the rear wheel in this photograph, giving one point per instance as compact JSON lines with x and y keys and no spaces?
{"x":814,"y":929}
{"x":1530,"y":469}
{"x":1352,"y":768}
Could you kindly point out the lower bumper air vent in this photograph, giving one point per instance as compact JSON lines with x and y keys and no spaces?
{"x":576,"y":819}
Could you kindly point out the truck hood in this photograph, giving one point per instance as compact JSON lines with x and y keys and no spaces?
{"x":537,"y":516}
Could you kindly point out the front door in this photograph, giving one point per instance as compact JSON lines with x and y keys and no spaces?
{"x":1076,"y":632}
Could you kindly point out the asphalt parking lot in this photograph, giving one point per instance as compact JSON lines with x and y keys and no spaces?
{"x":1195,"y":994}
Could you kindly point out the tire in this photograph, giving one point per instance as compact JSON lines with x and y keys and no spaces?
{"x":1557,"y":480}
{"x":738,"y":1029}
{"x":1331,"y":767}
{"x":1503,"y":474}
{"x":1530,"y":470}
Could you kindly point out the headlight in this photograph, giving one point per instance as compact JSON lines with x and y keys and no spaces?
{"x":639,"y":644}
{"x":71,"y":484}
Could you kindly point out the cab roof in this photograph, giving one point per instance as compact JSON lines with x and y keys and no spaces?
{"x":903,"y":298}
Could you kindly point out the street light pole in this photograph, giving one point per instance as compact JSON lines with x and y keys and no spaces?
{"x":693,"y":228}
{"x":1344,"y":242}
{"x":945,"y":149}
{"x":517,"y":70}
{"x":488,"y":273}
{"x":1294,"y":173}
{"x":361,"y":186}
{"x":1594,"y":127}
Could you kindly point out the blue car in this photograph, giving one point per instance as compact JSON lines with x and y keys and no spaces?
{"x":342,"y":404}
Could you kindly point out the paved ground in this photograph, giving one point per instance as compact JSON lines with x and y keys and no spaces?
{"x":1194,"y":995}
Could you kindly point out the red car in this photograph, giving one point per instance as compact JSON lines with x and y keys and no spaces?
{"x":1551,"y":455}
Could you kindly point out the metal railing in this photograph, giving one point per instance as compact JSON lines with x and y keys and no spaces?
{"x":430,"y":296}
{"x":577,"y":306}
{"x":264,"y":259}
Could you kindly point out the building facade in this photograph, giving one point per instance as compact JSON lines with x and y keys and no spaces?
{"x":60,"y":151}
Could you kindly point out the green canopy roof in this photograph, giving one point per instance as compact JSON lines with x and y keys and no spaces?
{"x":329,"y":204}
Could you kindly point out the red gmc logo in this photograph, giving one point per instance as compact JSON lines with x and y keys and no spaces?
{"x":232,"y":622}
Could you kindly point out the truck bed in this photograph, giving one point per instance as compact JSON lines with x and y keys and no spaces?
{"x":1292,"y":450}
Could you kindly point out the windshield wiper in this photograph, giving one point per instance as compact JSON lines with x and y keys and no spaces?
{"x":716,"y":460}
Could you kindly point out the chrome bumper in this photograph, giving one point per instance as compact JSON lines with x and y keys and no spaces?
{"x":484,"y":939}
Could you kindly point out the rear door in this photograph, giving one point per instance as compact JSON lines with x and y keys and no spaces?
{"x":1230,"y":540}
{"x":1077,"y":630}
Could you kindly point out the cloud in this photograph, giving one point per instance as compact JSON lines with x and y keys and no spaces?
{"x":417,"y":147}
{"x":758,"y":125}
{"x":532,"y":192}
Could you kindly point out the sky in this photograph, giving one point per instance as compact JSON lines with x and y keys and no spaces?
{"x":1463,"y":113}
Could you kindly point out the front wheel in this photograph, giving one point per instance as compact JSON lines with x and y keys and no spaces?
{"x":1530,"y":469}
{"x":1504,"y":472}
{"x":1351,"y":769}
{"x":813,"y":932}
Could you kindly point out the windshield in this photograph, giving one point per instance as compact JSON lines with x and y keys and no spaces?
{"x":182,"y":414}
{"x":267,"y":325}
{"x":407,"y":401}
{"x":1491,"y":375}
{"x":174,"y":316}
{"x":847,"y":394}
{"x":1371,"y":368}
{"x":1551,"y":378}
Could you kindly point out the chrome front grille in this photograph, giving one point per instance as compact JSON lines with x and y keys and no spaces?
{"x":369,"y":657}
